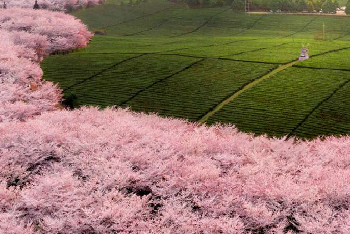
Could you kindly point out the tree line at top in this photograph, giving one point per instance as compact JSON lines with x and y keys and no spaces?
{"x":325,"y":6}
{"x":35,"y":6}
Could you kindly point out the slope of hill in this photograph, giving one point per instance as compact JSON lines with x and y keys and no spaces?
{"x":166,"y":58}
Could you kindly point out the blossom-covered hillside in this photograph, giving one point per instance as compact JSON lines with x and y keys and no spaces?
{"x":26,"y":37}
{"x":115,"y":171}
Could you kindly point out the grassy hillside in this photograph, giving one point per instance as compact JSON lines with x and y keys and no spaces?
{"x":181,"y":62}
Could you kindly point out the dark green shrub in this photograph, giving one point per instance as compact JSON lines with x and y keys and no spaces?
{"x":71,"y":100}
{"x":238,"y":5}
{"x":347,"y":10}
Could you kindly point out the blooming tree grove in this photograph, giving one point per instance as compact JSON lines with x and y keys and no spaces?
{"x":115,"y":171}
{"x":56,"y":5}
{"x":27,"y":36}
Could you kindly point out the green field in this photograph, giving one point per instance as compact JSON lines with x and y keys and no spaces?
{"x":180,"y":62}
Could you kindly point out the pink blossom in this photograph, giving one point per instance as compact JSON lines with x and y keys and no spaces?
{"x":56,"y":5}
{"x":27,"y":36}
{"x":107,"y":170}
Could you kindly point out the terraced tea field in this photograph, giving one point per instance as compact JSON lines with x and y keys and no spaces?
{"x":215,"y":66}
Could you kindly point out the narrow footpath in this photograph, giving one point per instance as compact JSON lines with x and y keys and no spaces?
{"x":245,"y":88}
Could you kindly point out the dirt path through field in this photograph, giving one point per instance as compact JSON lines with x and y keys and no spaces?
{"x":339,"y":13}
{"x":245,"y":88}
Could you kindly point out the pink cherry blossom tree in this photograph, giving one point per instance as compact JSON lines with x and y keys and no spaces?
{"x":27,"y":36}
{"x":56,"y":5}
{"x":114,"y":171}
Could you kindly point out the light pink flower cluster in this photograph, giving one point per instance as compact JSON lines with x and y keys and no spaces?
{"x":56,"y":5}
{"x":114,"y":171}
{"x":27,"y":36}
{"x":44,"y":31}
